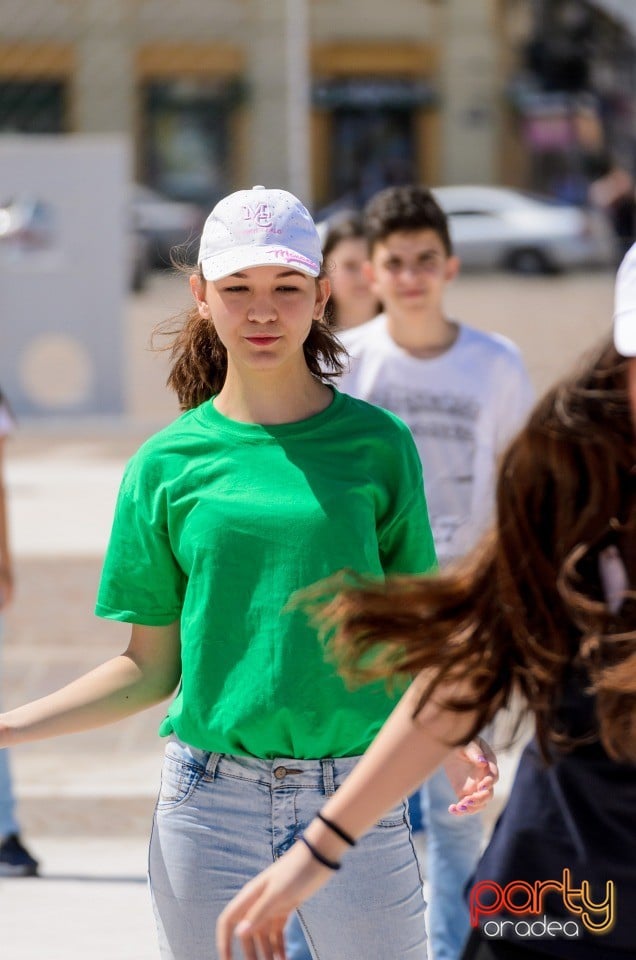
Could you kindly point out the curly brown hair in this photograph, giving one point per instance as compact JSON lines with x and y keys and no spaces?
{"x":525,"y":611}
{"x":199,"y":358}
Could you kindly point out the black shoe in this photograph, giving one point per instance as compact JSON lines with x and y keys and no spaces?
{"x":15,"y":861}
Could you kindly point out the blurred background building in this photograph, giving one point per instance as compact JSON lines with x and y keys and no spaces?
{"x":332,"y":99}
{"x":137,"y":115}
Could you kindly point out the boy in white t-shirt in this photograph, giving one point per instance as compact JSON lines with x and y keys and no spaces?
{"x":464,"y":394}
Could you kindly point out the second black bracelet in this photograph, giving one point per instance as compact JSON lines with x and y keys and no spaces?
{"x":317,"y":855}
{"x":336,"y":829}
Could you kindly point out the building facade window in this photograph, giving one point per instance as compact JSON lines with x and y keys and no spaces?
{"x":373,"y":119}
{"x":374,"y":141}
{"x":187,"y":132}
{"x":33,"y":106}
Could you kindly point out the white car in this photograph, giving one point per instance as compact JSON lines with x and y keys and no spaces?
{"x":497,"y":227}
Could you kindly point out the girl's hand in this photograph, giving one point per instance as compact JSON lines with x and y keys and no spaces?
{"x":258,"y":914}
{"x":473,"y":772}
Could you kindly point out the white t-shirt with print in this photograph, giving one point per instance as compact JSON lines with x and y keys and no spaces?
{"x":462,"y":406}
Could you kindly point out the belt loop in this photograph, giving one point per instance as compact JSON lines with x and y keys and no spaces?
{"x":211,"y":765}
{"x":327,"y":777}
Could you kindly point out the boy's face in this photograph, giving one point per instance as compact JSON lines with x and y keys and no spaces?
{"x":409,"y":270}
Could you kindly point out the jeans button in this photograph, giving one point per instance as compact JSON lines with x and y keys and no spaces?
{"x":280,"y":773}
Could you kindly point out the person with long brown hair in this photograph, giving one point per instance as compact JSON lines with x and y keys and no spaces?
{"x":543,"y":609}
{"x":269,"y":481}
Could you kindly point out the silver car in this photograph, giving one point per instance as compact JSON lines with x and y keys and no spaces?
{"x":497,"y":227}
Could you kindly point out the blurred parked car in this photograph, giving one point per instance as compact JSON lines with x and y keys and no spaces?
{"x":28,"y":228}
{"x":26,"y":225}
{"x":494,"y":227}
{"x":165,"y":223}
{"x":139,"y":258}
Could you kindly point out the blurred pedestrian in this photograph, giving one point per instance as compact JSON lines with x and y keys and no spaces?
{"x":463,"y":393}
{"x":613,"y":191}
{"x":269,"y":481}
{"x":545,"y":607}
{"x":345,"y":251}
{"x":15,"y":859}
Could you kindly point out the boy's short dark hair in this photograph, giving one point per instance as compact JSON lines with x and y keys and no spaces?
{"x":398,"y":209}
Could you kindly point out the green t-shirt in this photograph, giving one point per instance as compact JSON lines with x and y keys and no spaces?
{"x":218,"y":523}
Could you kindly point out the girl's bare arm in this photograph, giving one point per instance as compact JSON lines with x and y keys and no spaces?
{"x":145,"y":673}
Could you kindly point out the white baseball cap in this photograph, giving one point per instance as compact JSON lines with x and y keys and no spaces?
{"x":258,"y":228}
{"x":625,"y":305}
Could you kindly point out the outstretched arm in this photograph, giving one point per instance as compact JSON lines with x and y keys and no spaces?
{"x":147,"y":672}
{"x":403,"y":755}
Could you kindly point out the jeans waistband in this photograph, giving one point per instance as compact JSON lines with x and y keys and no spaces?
{"x":279,"y":772}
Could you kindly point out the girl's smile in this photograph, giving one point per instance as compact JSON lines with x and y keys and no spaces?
{"x":262,"y":341}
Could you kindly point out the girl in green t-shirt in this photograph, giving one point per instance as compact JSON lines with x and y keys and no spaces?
{"x":269,"y":481}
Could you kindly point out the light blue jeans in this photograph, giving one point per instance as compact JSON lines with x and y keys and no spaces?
{"x":220,"y":820}
{"x":453,"y":845}
{"x":8,"y":823}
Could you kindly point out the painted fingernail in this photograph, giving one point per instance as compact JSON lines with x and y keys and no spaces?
{"x":463,"y":806}
{"x":482,"y":759}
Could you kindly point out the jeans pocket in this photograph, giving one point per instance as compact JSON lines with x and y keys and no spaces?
{"x":179,"y":779}
{"x":395,"y":817}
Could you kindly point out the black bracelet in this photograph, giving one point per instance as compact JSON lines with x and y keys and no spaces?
{"x":331,"y":864}
{"x":336,"y":829}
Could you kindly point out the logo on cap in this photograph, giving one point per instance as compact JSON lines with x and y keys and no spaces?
{"x":259,"y":214}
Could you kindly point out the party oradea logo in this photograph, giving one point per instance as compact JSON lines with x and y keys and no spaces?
{"x":518,"y":909}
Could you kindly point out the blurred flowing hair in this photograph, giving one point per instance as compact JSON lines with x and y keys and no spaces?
{"x":526,"y":607}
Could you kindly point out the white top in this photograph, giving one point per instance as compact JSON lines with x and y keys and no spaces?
{"x":625,"y":305}
{"x":462,"y":406}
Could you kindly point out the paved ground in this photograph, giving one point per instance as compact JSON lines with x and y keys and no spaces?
{"x":63,"y":479}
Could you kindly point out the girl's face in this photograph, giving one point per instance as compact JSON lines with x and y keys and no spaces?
{"x":347,"y":278}
{"x":262,"y":315}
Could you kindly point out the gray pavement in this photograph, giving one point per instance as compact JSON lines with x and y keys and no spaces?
{"x":86,"y":800}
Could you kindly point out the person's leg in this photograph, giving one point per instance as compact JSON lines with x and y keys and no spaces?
{"x":8,"y":822}
{"x":373,"y":907}
{"x":220,"y":820}
{"x":296,"y":945}
{"x":212,"y":832}
{"x":453,"y":845}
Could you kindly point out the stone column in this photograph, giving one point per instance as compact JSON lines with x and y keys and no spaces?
{"x":105,"y":82}
{"x":278,"y":69}
{"x":471,"y":88}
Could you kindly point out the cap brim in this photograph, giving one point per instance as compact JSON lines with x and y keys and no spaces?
{"x":243,"y":258}
{"x":625,"y":305}
{"x":625,"y":333}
